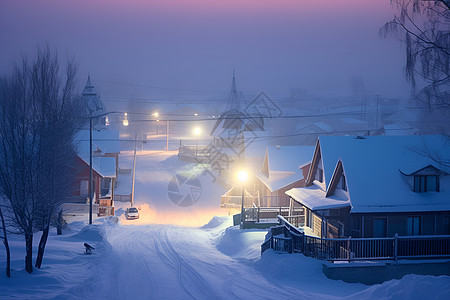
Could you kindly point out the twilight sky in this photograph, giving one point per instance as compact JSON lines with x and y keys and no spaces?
{"x":193,"y":45}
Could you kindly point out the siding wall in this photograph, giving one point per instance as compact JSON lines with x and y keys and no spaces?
{"x":431,"y":223}
{"x":317,"y":225}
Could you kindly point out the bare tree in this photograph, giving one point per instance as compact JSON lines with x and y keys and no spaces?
{"x":5,"y":242}
{"x":424,"y":28}
{"x":40,"y":113}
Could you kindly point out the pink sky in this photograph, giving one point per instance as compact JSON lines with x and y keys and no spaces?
{"x":274,"y":45}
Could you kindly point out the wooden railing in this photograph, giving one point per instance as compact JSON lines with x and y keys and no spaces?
{"x":266,"y":214}
{"x":105,"y":211}
{"x":348,"y":249}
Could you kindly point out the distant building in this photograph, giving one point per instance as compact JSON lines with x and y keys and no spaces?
{"x":93,"y":104}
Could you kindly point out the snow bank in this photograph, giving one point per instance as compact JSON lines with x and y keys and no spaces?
{"x":93,"y":233}
{"x":215,"y":222}
{"x":241,"y":244}
{"x":306,"y":273}
{"x":409,"y":287}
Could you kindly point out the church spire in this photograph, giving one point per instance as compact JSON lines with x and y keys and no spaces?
{"x":89,"y":89}
{"x":91,"y":99}
{"x":233,"y":99}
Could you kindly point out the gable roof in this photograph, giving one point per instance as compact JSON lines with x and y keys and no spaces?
{"x":373,"y":168}
{"x":104,"y":166}
{"x":281,"y":166}
{"x":105,"y":140}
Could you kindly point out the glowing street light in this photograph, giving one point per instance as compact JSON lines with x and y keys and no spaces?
{"x":197,"y":131}
{"x":243,"y":177}
{"x":125,"y":120}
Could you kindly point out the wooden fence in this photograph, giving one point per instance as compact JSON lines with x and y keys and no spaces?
{"x":287,"y":238}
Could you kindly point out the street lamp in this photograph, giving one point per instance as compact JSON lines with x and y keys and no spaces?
{"x":125,"y":121}
{"x":90,"y":188}
{"x":242,"y":176}
{"x":197,"y":131}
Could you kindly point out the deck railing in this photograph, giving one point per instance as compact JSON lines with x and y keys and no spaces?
{"x":105,"y":211}
{"x":348,"y":249}
{"x":266,"y":214}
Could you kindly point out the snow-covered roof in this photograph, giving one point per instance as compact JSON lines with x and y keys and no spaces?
{"x":289,"y":158}
{"x":278,"y":180}
{"x":283,"y":163}
{"x":105,"y":166}
{"x":105,"y":140}
{"x":373,"y":168}
{"x":314,"y":198}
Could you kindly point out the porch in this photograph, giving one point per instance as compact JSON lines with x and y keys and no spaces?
{"x":288,"y":238}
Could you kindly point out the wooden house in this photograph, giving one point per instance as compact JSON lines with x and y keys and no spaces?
{"x":377,"y":186}
{"x":103,"y":177}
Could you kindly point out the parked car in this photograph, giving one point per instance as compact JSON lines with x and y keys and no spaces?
{"x":131,"y":213}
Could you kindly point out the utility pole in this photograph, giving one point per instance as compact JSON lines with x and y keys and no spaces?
{"x":134,"y":171}
{"x":90,"y":170}
{"x":376,"y":122}
{"x":167,"y":139}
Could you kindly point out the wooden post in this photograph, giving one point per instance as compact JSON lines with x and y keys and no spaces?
{"x":395,"y":246}
{"x":348,"y":248}
{"x":258,"y":213}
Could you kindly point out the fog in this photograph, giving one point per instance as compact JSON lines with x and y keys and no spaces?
{"x":192,"y":47}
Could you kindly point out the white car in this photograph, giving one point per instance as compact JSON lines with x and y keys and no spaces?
{"x":131,"y":213}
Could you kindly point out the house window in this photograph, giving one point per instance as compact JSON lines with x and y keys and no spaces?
{"x":426,"y":183}
{"x":380,"y":227}
{"x":446,"y":225}
{"x":413,"y":225}
{"x":105,"y":185}
{"x":340,"y":229}
{"x":343,"y":183}
{"x":356,"y":226}
{"x":319,"y":174}
{"x":309,"y":219}
{"x":84,"y":188}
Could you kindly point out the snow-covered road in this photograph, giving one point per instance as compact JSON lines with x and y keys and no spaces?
{"x":171,"y":262}
{"x":152,"y":258}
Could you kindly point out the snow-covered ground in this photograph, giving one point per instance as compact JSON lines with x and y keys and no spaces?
{"x":175,"y":252}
